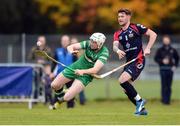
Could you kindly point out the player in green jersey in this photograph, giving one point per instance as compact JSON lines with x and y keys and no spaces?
{"x":93,"y":59}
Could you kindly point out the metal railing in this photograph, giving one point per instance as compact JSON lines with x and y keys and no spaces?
{"x":16,"y":48}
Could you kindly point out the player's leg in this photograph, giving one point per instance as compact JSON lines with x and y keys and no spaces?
{"x":58,"y":84}
{"x":126,"y":84}
{"x":129,"y":96}
{"x":59,"y":81}
{"x":70,"y":103}
{"x":75,"y":89}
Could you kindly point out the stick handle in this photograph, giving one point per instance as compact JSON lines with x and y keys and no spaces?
{"x":57,"y":61}
{"x":124,"y":64}
{"x":114,"y":70}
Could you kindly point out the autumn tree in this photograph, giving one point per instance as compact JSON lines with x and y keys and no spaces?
{"x":23,"y":16}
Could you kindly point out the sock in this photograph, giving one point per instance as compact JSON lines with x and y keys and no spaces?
{"x":131,"y":98}
{"x":60,"y":99}
{"x":59,"y":93}
{"x":131,"y":92}
{"x":138,"y":98}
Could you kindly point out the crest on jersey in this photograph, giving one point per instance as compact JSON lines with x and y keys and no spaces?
{"x":131,"y":35}
{"x":127,"y":45}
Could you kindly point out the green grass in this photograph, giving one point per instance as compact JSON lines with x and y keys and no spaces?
{"x":116,"y":110}
{"x":105,"y":112}
{"x":109,"y":88}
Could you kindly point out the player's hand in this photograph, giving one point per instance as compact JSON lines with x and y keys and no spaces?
{"x":147,"y":51}
{"x":52,"y":76}
{"x":75,"y":52}
{"x":121,"y":54}
{"x":79,"y":72}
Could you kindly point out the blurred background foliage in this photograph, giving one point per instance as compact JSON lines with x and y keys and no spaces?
{"x":85,"y":16}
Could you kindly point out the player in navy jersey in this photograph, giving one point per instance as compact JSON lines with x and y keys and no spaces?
{"x":129,"y":36}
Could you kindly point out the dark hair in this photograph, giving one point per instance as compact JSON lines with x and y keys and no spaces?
{"x":124,"y":10}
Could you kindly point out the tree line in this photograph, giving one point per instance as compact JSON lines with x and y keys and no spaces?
{"x":85,"y":16}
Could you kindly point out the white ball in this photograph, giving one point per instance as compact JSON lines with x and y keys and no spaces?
{"x":39,"y":43}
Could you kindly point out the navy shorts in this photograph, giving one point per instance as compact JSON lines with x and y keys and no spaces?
{"x":135,"y":68}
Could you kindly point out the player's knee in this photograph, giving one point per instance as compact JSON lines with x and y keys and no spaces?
{"x":122,"y":79}
{"x":54,"y":86}
{"x":67,"y":98}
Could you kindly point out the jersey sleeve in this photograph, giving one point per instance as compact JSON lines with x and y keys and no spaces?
{"x":104,"y":56}
{"x":116,"y":36}
{"x":84,"y":44}
{"x":142,"y":29}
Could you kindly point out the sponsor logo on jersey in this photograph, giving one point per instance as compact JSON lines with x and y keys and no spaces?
{"x":134,"y":48}
{"x":130,"y":71}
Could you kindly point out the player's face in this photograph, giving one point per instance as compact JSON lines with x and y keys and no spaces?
{"x":93,"y":45}
{"x":123,"y":19}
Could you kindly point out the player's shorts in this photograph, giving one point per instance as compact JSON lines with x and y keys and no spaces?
{"x":135,"y":68}
{"x":79,"y":64}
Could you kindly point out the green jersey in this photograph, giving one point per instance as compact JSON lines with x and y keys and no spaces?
{"x":86,"y":61}
{"x":91,"y":56}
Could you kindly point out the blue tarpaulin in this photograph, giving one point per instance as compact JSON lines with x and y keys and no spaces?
{"x":16,"y":81}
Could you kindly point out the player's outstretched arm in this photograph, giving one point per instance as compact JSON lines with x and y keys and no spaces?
{"x":97,"y":67}
{"x":152,"y":38}
{"x":74,"y":48}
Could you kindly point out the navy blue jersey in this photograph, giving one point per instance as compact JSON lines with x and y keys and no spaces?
{"x":131,"y":40}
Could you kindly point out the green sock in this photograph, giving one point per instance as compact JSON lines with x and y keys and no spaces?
{"x":60,"y":99}
{"x":59,"y":93}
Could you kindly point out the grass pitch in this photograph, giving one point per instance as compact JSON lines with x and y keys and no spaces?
{"x":116,"y":110}
{"x":105,"y":112}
